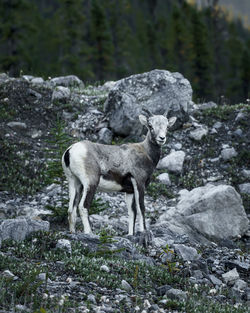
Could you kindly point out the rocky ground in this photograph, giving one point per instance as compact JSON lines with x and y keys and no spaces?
{"x":198,"y":258}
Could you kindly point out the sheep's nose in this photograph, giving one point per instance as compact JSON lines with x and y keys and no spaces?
{"x":162,"y":138}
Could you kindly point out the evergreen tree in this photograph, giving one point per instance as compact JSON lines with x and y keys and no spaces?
{"x":71,"y":29}
{"x":245,"y":71}
{"x":234,"y":91}
{"x":16,"y":30}
{"x":101,"y":42}
{"x":203,"y":62}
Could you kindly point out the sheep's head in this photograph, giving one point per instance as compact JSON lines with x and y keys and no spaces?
{"x":157,"y":126}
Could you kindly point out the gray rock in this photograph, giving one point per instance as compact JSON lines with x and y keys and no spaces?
{"x":161,"y":291}
{"x":205,"y":213}
{"x":240,"y":116}
{"x":198,"y":133}
{"x":3,"y":77}
{"x":91,"y":298}
{"x":64,"y":244}
{"x":158,"y":91}
{"x":126,"y":286}
{"x":164,"y":178}
{"x":66,"y":81}
{"x":27,"y":77}
{"x":231,"y":276}
{"x":176,"y":294}
{"x":214,"y":280}
{"x":177,"y":146}
{"x":217,"y":125}
{"x":105,"y":268}
{"x":172,"y":162}
{"x":207,"y":105}
{"x":245,"y":188}
{"x":228,"y":153}
{"x":240,"y":266}
{"x":214,"y":211}
{"x":238,"y":133}
{"x":186,"y":253}
{"x":61,"y":94}
{"x":19,"y":228}
{"x":240,"y":284}
{"x":246,"y":173}
{"x":7,"y":274}
{"x":105,"y":136}
{"x":17,"y":125}
{"x":37,"y":80}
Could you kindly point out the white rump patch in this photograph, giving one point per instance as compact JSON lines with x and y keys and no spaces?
{"x":108,"y":185}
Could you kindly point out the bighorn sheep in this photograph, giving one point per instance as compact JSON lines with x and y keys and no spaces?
{"x":124,"y":168}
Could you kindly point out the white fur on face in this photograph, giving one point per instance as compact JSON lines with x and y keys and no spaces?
{"x":158,"y":126}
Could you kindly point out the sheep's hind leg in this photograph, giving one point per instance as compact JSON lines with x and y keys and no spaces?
{"x":84,"y":206}
{"x":75,"y":188}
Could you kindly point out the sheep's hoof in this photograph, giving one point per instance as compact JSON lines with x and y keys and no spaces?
{"x":144,"y":238}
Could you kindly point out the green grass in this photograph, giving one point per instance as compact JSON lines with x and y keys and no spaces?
{"x":38,"y":254}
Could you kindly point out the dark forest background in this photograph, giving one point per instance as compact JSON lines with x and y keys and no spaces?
{"x":106,"y":40}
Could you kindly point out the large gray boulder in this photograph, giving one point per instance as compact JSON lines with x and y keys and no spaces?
{"x":208,"y":213}
{"x":158,"y":91}
{"x":19,"y":228}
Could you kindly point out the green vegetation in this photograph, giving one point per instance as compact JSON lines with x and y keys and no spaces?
{"x":17,"y":174}
{"x":103,"y":40}
{"x":38,"y":254}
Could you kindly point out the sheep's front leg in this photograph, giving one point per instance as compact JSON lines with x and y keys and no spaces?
{"x":130,"y":201}
{"x":139,"y":201}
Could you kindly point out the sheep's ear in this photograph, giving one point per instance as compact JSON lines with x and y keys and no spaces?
{"x":171,"y":121}
{"x":143,"y":119}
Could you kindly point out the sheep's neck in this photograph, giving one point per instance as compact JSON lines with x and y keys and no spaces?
{"x":153,"y":150}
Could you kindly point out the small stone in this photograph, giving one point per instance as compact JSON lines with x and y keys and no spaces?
{"x":21,"y":308}
{"x":177,"y":146}
{"x":238,"y":133}
{"x":64,"y":244}
{"x":105,"y":268}
{"x":240,"y":284}
{"x":17,"y":125}
{"x":42,"y":276}
{"x":228,"y":154}
{"x":214,"y":280}
{"x":176,"y":294}
{"x":164,"y":178}
{"x":172,"y":162}
{"x":245,"y":188}
{"x":217,"y":125}
{"x":105,"y":136}
{"x":197,"y":274}
{"x":8,"y":274}
{"x":231,"y":276}
{"x":240,"y":116}
{"x":91,"y":298}
{"x":126,"y":286}
{"x":198,"y":133}
{"x":37,"y":80}
{"x":212,"y":291}
{"x":146,"y":304}
{"x":186,"y":253}
{"x":246,"y":173}
{"x":61,"y":94}
{"x":161,"y":291}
